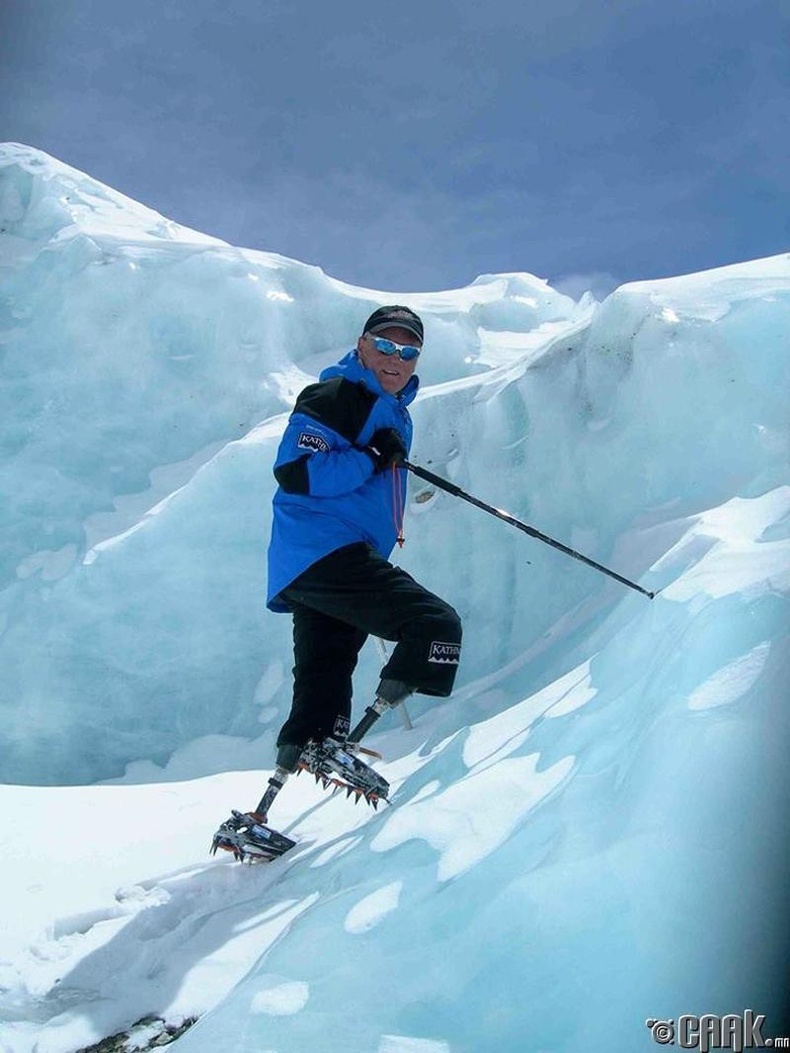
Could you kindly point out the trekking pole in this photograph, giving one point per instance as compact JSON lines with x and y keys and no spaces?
{"x":456,"y":491}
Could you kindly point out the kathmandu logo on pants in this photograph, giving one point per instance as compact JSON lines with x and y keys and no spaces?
{"x":341,"y":727}
{"x":444,"y":653}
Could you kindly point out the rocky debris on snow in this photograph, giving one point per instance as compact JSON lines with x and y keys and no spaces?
{"x":150,"y":1032}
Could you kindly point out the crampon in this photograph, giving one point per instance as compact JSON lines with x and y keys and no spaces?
{"x":248,"y":838}
{"x":335,"y":763}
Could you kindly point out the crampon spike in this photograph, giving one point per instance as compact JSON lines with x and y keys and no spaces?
{"x":335,"y":765}
{"x":249,"y":839}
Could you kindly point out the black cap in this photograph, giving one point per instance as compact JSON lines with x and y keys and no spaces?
{"x":392,"y":318}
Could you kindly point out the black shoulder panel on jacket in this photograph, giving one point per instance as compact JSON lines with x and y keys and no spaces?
{"x":293,"y":477}
{"x":339,"y":403}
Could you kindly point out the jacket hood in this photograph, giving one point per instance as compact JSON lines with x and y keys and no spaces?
{"x":352,"y":369}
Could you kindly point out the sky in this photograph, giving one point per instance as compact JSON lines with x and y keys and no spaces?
{"x":414,"y":146}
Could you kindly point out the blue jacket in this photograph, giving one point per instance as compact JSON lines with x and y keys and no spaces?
{"x":328,"y":494}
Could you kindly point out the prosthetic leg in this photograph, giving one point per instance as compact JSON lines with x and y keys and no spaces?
{"x":333,"y":762}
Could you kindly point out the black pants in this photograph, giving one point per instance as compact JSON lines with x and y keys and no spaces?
{"x":336,"y":604}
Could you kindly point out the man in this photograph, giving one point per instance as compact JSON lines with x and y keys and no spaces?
{"x":337,"y":515}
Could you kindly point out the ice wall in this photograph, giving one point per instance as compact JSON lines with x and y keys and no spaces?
{"x":593,"y":834}
{"x":147,"y":373}
{"x":145,"y":368}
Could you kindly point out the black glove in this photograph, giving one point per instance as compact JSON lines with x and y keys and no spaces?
{"x":385,"y":449}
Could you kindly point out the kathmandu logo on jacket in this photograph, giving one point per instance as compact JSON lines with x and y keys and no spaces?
{"x":444,"y":653}
{"x":308,"y":441}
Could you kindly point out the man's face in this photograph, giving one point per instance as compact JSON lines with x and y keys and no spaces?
{"x":391,"y":371}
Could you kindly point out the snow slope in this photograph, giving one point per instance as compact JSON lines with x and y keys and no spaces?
{"x":589,"y":834}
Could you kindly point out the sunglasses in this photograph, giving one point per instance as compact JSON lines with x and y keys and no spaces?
{"x":406,"y":352}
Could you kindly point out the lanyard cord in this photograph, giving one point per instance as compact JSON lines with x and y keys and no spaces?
{"x":397,"y":504}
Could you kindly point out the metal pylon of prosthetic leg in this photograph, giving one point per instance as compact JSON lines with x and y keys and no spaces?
{"x":371,"y":715}
{"x":276,"y":783}
{"x":401,"y":706}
